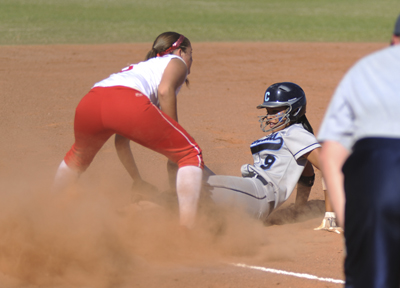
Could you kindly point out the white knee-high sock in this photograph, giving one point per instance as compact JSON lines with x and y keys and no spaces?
{"x":65,"y":177}
{"x":188,"y":187}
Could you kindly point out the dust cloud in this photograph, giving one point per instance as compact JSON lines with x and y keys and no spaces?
{"x":87,"y":238}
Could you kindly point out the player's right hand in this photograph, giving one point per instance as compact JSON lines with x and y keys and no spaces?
{"x":142,"y":190}
{"x":247,"y":171}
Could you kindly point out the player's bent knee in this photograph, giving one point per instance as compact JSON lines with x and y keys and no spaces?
{"x":193,"y":158}
{"x":77,"y":162}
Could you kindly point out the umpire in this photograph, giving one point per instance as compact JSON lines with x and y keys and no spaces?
{"x":360,"y":161}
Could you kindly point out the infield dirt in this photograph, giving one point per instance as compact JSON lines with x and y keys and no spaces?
{"x":94,"y":236}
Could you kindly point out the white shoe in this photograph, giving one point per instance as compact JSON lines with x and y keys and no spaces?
{"x":329,"y":224}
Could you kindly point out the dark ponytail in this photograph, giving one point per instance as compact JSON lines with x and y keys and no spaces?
{"x":151,"y":54}
{"x":306,"y":125}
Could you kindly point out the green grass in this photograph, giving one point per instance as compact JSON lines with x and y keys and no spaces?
{"x":117,"y":21}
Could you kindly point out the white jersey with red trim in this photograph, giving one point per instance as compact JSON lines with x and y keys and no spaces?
{"x":144,"y":76}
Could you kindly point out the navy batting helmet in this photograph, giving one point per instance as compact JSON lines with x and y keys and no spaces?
{"x":284,"y":94}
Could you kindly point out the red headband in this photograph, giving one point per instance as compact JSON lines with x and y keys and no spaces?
{"x":173,"y":47}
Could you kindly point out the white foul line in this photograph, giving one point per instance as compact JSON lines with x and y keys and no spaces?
{"x":300,"y":275}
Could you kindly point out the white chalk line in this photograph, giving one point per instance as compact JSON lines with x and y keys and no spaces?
{"x":299,"y":275}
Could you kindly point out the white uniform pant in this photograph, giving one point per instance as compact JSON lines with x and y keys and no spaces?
{"x":248,"y":194}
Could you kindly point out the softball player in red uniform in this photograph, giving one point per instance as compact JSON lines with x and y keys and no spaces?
{"x":139,"y":104}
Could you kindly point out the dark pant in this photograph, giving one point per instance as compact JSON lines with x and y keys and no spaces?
{"x":372,"y":214}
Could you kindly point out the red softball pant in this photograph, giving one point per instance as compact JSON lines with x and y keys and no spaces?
{"x":105,"y":111}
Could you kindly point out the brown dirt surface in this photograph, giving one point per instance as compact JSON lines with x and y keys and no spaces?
{"x":94,"y":236}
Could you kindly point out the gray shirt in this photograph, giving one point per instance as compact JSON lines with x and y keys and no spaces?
{"x":367,"y":101}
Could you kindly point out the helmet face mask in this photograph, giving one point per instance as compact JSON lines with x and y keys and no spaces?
{"x":282,"y":95}
{"x":273,"y":122}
